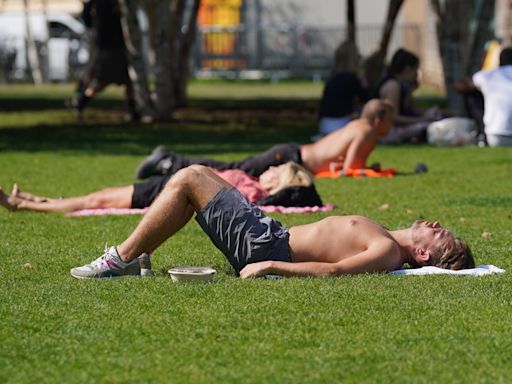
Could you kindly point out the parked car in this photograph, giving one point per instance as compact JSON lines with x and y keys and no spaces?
{"x":67,"y":50}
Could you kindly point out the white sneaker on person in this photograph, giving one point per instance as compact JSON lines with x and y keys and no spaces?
{"x":109,"y":265}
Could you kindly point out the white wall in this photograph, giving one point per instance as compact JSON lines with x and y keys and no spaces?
{"x":69,"y":6}
{"x":327,"y":13}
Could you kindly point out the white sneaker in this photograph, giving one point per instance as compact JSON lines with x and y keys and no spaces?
{"x":109,"y":265}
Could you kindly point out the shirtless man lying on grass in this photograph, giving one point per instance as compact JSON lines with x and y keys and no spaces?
{"x":346,"y":148}
{"x":256,"y":245}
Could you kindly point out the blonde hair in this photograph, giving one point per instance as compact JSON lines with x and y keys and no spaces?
{"x":293,"y":175}
{"x":456,"y":255}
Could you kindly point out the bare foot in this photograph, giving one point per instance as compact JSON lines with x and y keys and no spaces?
{"x":26,"y":195}
{"x":8,"y":202}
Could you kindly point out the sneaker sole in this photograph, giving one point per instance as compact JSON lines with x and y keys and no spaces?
{"x":111,"y":277}
{"x":144,"y":275}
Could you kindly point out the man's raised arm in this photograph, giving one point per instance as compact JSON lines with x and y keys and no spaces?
{"x":358,"y":152}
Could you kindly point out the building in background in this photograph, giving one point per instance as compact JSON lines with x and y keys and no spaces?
{"x":73,"y":7}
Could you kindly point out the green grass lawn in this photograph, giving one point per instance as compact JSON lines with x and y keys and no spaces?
{"x":368,"y":328}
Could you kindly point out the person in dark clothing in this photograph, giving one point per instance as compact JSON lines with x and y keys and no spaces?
{"x":474,"y":106}
{"x":343,"y":95}
{"x":109,"y":64}
{"x":87,"y":75}
{"x":397,"y":87}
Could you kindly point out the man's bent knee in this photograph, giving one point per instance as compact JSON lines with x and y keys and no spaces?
{"x":188,"y":175}
{"x":198,"y":169}
{"x":189,"y":179}
{"x":198,"y":182}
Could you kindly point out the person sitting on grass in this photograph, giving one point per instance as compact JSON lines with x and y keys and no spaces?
{"x":494,"y":85}
{"x":270,"y":189}
{"x":347,"y":148}
{"x":397,"y":87}
{"x":257,"y":245}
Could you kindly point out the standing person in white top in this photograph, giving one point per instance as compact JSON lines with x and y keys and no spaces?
{"x":496,"y":86}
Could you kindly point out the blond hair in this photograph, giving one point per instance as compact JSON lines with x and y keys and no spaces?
{"x":293,"y":175}
{"x":456,"y":255}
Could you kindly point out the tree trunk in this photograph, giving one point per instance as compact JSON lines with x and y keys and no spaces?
{"x":187,"y":41}
{"x":176,"y":21}
{"x":351,"y":21}
{"x":346,"y":56}
{"x":31,"y":55}
{"x":374,"y":64}
{"x":44,"y":63}
{"x":134,"y":53}
{"x":480,"y":36}
{"x":453,"y":45}
{"x":171,"y":50}
{"x":163,"y":59}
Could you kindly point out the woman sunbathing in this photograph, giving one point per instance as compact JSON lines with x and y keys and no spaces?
{"x":268,"y":189}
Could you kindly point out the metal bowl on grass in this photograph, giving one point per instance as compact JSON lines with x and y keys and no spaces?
{"x":188,"y":274}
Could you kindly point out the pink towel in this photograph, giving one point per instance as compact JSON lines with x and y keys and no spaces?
{"x":141,"y":211}
{"x":281,"y":209}
{"x":107,"y":211}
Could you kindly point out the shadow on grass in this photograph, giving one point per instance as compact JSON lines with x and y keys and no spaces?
{"x":213,"y":126}
{"x":38,"y":103}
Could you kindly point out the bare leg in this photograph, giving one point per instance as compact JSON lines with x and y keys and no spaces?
{"x":187,"y":191}
{"x":117,"y":197}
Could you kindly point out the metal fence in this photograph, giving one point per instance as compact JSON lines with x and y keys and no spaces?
{"x":294,"y":51}
{"x":270,"y":51}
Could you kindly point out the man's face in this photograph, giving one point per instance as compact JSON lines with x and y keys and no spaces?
{"x":430,"y":235}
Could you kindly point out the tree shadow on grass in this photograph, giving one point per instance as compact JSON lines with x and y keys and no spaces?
{"x":55,"y":101}
{"x":37,"y":103}
{"x":204,"y":126}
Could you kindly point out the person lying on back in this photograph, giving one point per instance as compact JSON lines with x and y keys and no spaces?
{"x":257,"y":245}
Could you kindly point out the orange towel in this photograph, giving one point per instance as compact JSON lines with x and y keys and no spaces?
{"x":364,"y":172}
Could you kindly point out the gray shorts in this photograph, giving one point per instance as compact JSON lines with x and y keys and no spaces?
{"x":241,"y":231}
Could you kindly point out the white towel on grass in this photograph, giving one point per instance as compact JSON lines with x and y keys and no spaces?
{"x":481,"y":270}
